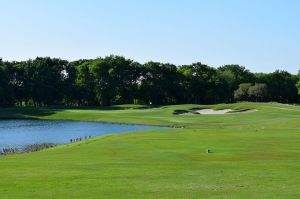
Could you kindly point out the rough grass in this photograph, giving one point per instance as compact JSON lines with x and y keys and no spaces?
{"x":254,"y":155}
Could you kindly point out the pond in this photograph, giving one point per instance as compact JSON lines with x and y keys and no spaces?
{"x":21,"y":133}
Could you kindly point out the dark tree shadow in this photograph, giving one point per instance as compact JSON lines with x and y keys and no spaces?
{"x":25,"y":113}
{"x":34,"y":112}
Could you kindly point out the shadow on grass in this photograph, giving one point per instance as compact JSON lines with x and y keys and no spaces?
{"x":114,"y":107}
{"x":35,"y":112}
{"x":25,"y":113}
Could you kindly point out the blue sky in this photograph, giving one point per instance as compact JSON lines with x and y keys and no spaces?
{"x":260,"y":35}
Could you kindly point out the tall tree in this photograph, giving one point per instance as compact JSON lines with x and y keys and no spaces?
{"x":6,"y":93}
{"x":233,"y":76}
{"x":160,"y":83}
{"x":47,"y":80}
{"x":258,"y":92}
{"x":199,"y":83}
{"x":116,"y":79}
{"x":281,"y":86}
{"x":241,"y":94}
{"x":298,"y":83}
{"x":85,"y":85}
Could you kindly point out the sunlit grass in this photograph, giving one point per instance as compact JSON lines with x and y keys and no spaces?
{"x":254,"y":155}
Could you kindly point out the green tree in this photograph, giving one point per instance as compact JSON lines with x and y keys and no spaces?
{"x":85,"y":85}
{"x":47,"y":77}
{"x":6,"y":93}
{"x":241,"y":94}
{"x":281,"y":86}
{"x":116,"y":79}
{"x":298,"y":83}
{"x":199,"y":83}
{"x":232,"y":76}
{"x":258,"y":92}
{"x":160,"y":83}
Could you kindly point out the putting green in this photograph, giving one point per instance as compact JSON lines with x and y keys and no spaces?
{"x":254,"y":155}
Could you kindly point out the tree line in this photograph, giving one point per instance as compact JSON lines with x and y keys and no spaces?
{"x":116,"y":80}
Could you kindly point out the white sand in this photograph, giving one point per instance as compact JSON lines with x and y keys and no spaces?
{"x":218,"y":112}
{"x":213,"y":112}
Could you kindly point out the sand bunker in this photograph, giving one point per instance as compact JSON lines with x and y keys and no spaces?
{"x":214,"y":112}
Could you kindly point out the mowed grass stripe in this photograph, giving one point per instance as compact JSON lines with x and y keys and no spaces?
{"x":254,"y":155}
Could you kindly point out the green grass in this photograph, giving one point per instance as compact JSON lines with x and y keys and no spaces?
{"x":255,"y":155}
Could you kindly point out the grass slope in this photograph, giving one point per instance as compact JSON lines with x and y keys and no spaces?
{"x":255,"y":155}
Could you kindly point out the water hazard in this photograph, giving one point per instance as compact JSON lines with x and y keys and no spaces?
{"x":21,"y":133}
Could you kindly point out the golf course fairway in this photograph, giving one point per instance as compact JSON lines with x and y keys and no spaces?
{"x":253,"y":155}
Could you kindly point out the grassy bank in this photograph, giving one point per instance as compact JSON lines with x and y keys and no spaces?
{"x":254,"y":155}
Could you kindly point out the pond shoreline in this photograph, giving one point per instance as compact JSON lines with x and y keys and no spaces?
{"x":18,"y":134}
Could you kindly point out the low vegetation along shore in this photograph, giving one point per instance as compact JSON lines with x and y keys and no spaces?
{"x":242,"y":155}
{"x":27,"y":149}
